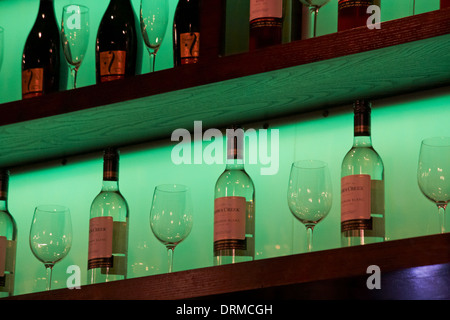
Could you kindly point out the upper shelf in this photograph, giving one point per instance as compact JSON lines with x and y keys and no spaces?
{"x":415,"y":268}
{"x":405,"y":55}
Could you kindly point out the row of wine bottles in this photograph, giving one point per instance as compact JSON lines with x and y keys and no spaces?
{"x":362,"y":209}
{"x":116,"y":41}
{"x":115,"y":50}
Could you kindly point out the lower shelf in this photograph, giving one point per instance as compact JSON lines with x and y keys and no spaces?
{"x":414,"y":268}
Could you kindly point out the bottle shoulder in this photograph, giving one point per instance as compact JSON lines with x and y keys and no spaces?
{"x":5,"y":216}
{"x":235,"y":176}
{"x":363,"y":160}
{"x":8,"y":226}
{"x":109,"y":198}
{"x":366,"y":153}
{"x":234,"y":182}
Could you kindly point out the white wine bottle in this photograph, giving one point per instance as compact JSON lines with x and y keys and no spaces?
{"x":362,"y":185}
{"x":108,"y":226}
{"x":266,"y":23}
{"x":8,"y":240}
{"x":234,"y":207}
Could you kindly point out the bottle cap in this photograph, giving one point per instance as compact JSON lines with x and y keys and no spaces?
{"x":362,"y":106}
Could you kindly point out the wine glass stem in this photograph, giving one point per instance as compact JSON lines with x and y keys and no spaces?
{"x":315,"y":13}
{"x":170,"y":251}
{"x":49,"y":268}
{"x":74,"y":72}
{"x":309,"y":237}
{"x":441,"y":211}
{"x":75,"y":78}
{"x":152,"y":61}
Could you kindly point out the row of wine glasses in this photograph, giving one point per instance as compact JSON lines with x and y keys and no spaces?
{"x":154,"y":17}
{"x":309,"y":192}
{"x":170,"y":221}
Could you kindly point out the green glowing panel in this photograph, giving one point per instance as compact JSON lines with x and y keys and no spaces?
{"x":398,"y":126}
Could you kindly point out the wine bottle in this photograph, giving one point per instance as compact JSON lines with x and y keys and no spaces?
{"x":116,"y":49}
{"x":353,"y":13}
{"x":234,"y":207}
{"x":445,"y":4}
{"x":108,"y":226}
{"x":186,"y":32}
{"x":8,"y":240}
{"x":41,"y":54}
{"x":362,"y":185}
{"x":265,"y":23}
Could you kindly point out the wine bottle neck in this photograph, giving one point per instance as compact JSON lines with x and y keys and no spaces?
{"x":362,"y":124}
{"x":110,"y":167}
{"x":235,"y":164}
{"x":46,"y":10}
{"x":109,"y":185}
{"x":235,"y":145}
{"x":4,"y":181}
{"x":362,"y":130}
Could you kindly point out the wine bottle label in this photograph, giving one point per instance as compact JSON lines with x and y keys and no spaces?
{"x":355,"y":202}
{"x":266,"y":9}
{"x":343,"y":4}
{"x":118,"y":266}
{"x":100,"y":242}
{"x":189,"y":47}
{"x":32,"y":82}
{"x":3,"y":244}
{"x":112,"y":65}
{"x":120,"y":232}
{"x":229,"y":218}
{"x":377,"y":197}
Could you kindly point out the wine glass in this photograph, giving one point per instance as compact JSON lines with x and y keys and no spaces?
{"x":433,"y":173}
{"x":50,"y":236}
{"x":171,"y":216}
{"x":309,"y":194}
{"x":314,"y":6}
{"x":154,"y":16}
{"x":75,"y":36}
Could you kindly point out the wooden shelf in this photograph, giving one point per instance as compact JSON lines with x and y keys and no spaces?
{"x":406,"y":55}
{"x":415,"y":268}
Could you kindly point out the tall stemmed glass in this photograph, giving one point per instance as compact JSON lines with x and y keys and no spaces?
{"x":314,"y":6}
{"x":309,"y":194}
{"x":50,"y":236}
{"x":154,"y":16}
{"x":433,"y":173}
{"x":75,"y":36}
{"x":171,"y":216}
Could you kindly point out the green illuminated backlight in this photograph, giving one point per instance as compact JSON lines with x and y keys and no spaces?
{"x":398,"y":126}
{"x":397,"y":130}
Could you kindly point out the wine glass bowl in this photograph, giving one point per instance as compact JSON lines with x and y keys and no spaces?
{"x":433,"y":173}
{"x":154,"y":17}
{"x":75,"y":36}
{"x":50,"y":235}
{"x":309,"y":193}
{"x":171,"y":216}
{"x":314,"y":6}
